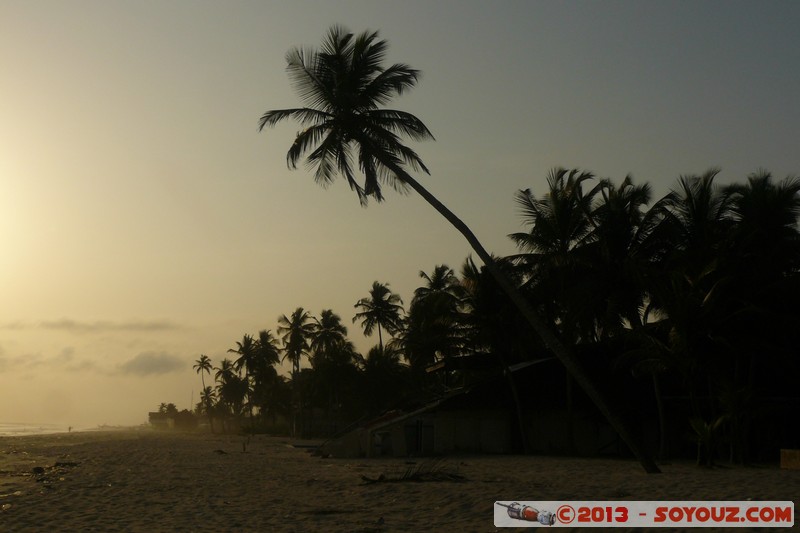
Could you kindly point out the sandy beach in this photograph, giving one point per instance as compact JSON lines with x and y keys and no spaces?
{"x":144,"y":480}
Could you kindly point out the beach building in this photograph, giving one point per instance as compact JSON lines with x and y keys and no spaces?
{"x":161,"y":420}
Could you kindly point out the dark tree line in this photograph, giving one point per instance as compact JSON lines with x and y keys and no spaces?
{"x":694,"y":292}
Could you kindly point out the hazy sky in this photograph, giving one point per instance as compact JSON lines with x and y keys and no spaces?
{"x":144,"y":220}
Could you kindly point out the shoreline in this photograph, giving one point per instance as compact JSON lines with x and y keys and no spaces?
{"x":22,"y":429}
{"x":148,"y":480}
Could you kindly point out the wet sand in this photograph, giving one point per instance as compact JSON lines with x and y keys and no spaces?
{"x":150,"y":481}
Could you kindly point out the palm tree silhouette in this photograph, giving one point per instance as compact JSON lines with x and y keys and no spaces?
{"x":434,"y":326}
{"x":296,"y":332}
{"x":231,"y":388}
{"x":553,"y":249}
{"x":344,"y":85}
{"x":328,"y":336}
{"x":208,"y":397}
{"x":268,"y":353}
{"x":247,"y":350}
{"x":265,"y":376}
{"x":382,"y":308}
{"x":332,"y":357}
{"x":383,"y":378}
{"x":618,"y":256}
{"x":203,"y":366}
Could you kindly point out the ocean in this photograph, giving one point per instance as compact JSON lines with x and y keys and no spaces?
{"x":19,"y":429}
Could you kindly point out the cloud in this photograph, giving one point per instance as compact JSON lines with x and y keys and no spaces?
{"x":14,"y":326}
{"x":100,"y":326}
{"x":149,"y":363}
{"x":103,"y":326}
{"x":37,"y":362}
{"x":84,"y":366}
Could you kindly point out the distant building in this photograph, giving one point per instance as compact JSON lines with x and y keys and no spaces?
{"x":161,"y":420}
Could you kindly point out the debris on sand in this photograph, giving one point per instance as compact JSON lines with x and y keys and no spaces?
{"x":435,"y":470}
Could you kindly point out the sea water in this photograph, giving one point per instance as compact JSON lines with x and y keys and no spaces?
{"x":20,"y":429}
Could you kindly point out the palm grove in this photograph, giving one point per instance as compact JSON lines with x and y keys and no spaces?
{"x":677,"y":311}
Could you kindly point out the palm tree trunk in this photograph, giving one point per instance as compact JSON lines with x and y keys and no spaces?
{"x":208,"y":404}
{"x":662,"y":421}
{"x":550,"y":341}
{"x":571,"y":448}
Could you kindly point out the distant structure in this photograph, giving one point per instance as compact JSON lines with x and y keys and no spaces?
{"x":172,"y":420}
{"x":161,"y":420}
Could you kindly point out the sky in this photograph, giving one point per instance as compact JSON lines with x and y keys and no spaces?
{"x":144,"y":220}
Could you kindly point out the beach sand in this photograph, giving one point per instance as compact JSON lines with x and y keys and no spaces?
{"x":150,"y":481}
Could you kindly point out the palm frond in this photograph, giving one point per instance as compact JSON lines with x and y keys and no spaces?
{"x":389,"y":177}
{"x":369,"y":167}
{"x":324,"y":158}
{"x":342,"y":84}
{"x":303,"y":115}
{"x":303,"y":142}
{"x":367,"y":56}
{"x":337,"y":42}
{"x":400,"y":122}
{"x":392,"y":82}
{"x":310,"y":77}
{"x":410,"y":157}
{"x":531,"y":209}
{"x":345,"y":165}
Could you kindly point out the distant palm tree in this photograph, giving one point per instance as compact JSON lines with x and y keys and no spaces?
{"x":231,"y":389}
{"x":329,"y":335}
{"x":344,"y":85}
{"x":560,"y":228}
{"x":267,"y":349}
{"x":225,"y":370}
{"x":695,"y":218}
{"x":203,"y":366}
{"x":619,"y":260}
{"x":766,"y":215}
{"x":434,"y":328}
{"x":247,"y":350}
{"x":296,"y":331}
{"x":207,"y":399}
{"x":265,"y":376}
{"x":764,"y":256}
{"x":382,"y":308}
{"x":442,"y":285}
{"x":383,"y":378}
{"x":208,"y":396}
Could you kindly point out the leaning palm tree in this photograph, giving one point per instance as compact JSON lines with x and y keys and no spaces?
{"x":203,"y":366}
{"x":382,"y":308}
{"x":344,"y":85}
